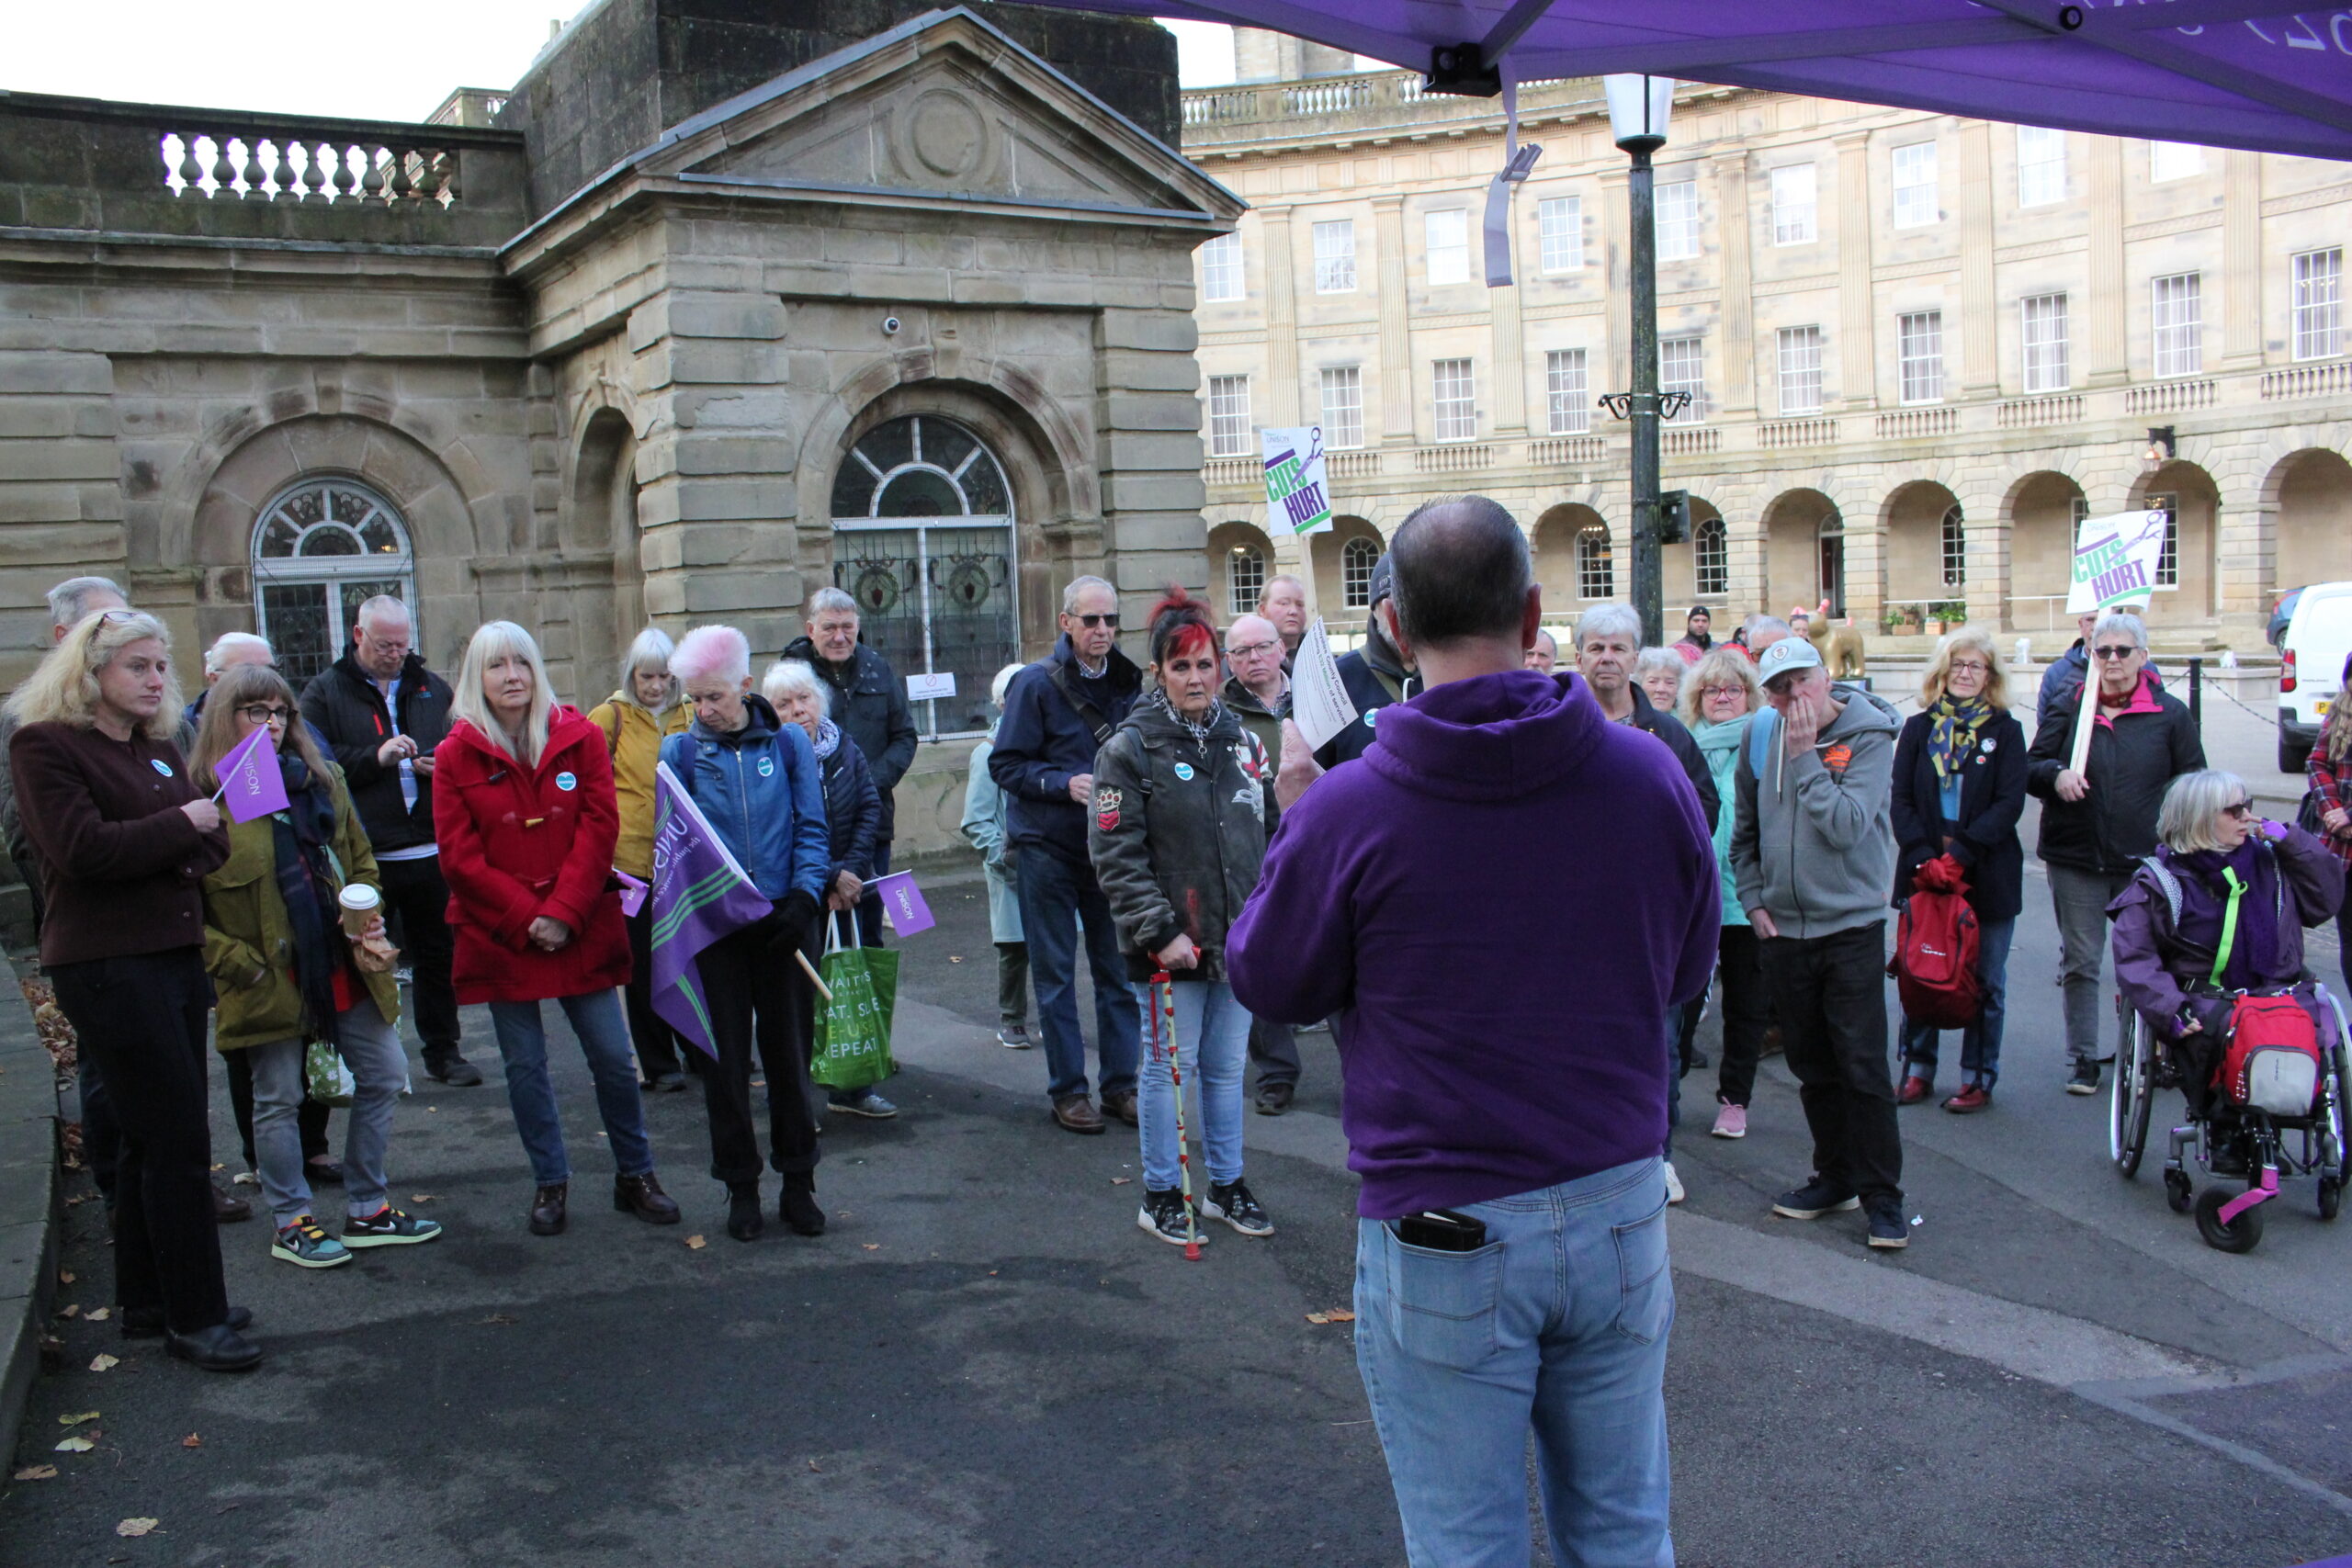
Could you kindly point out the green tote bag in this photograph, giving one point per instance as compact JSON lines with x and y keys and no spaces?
{"x":852,"y":1049}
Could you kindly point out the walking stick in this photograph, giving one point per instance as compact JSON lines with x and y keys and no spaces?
{"x":1163,"y":1007}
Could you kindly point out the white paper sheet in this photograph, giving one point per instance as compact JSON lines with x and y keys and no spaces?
{"x":1318,"y":703}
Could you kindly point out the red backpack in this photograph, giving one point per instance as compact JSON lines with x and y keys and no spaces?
{"x":1935,"y":959}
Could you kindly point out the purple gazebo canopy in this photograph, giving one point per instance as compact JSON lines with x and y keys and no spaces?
{"x":2246,"y":73}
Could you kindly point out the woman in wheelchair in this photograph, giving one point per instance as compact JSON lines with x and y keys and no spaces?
{"x":2218,"y":910}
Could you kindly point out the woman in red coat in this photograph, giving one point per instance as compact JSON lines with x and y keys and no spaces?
{"x":524,"y":812}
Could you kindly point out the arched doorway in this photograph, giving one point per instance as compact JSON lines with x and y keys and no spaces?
{"x":1240,"y":560}
{"x":1805,"y":553}
{"x":1699,"y":560}
{"x":322,"y":547}
{"x":2044,"y":508}
{"x":2185,"y":577}
{"x":2313,"y":518}
{"x":1926,"y":547}
{"x":1573,"y":555}
{"x":1344,"y":555}
{"x":603,"y":519}
{"x":922,"y":540}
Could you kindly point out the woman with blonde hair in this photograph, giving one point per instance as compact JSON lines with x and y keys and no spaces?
{"x":2328,"y":771}
{"x":285,"y":965}
{"x":1718,"y":695}
{"x":124,"y":840}
{"x":524,"y":812}
{"x":1960,"y":786}
{"x":642,"y":711}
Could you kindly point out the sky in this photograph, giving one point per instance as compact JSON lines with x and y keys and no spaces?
{"x":356,"y":62}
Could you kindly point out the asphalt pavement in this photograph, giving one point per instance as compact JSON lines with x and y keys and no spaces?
{"x":984,"y":1361}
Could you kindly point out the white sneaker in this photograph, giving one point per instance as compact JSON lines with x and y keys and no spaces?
{"x":1673,"y":1183}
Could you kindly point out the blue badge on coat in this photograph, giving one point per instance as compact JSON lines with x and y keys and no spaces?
{"x":1371,"y":719}
{"x":1184,"y":770}
{"x":767,"y":766}
{"x":160,"y":765}
{"x":566,"y":780}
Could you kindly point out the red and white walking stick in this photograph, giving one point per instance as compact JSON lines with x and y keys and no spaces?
{"x":1163,"y":1010}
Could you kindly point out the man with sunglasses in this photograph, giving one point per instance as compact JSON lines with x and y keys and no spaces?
{"x":2098,"y":824}
{"x":1058,"y":713}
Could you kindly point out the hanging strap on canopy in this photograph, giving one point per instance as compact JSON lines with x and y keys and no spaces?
{"x":1518,"y":164}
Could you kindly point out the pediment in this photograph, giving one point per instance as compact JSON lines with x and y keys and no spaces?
{"x":943,"y":106}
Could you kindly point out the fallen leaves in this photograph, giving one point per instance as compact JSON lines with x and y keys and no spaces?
{"x":71,"y":1309}
{"x":136,"y":1527}
{"x":872,"y":1245}
{"x":75,"y":1446}
{"x":696,"y":1242}
{"x":191,"y":1442}
{"x":420,"y":1197}
{"x":1123,"y":1181}
{"x":954,"y":959}
{"x":77,"y":1420}
{"x":498,"y":1320}
{"x":65,"y":1276}
{"x":100,"y":1315}
{"x":1333,"y":1314}
{"x":103,"y":1363}
{"x":38,"y":1472}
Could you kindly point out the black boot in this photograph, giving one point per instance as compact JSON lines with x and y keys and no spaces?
{"x":797,"y":1207}
{"x":743,"y":1220}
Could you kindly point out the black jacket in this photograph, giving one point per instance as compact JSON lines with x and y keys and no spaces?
{"x":1670,"y":729}
{"x":2132,"y":759}
{"x":870,"y":704}
{"x":1265,"y":723}
{"x":1992,"y":797}
{"x":1178,"y":831}
{"x":852,"y":811}
{"x":1374,"y":677}
{"x":1054,"y":720}
{"x":342,"y":704}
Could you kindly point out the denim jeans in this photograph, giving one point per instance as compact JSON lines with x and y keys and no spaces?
{"x":1057,"y":894}
{"x":1980,"y":1042}
{"x":595,"y":1016}
{"x":371,"y":1049}
{"x":2080,"y":899}
{"x":1559,"y":1323}
{"x":1212,"y":1032}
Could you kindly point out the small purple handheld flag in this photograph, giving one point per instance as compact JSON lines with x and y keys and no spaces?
{"x":902,"y":900}
{"x":700,"y":894}
{"x":251,"y":781}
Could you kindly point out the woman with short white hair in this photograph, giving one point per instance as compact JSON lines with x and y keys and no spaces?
{"x":642,"y":711}
{"x":1658,"y":672}
{"x":984,"y":802}
{"x":526,"y":815}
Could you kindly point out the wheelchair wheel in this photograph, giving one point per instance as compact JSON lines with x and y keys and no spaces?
{"x":2127,"y":1121}
{"x":2179,"y":1192}
{"x":2331,"y":1197}
{"x":2239,"y":1235}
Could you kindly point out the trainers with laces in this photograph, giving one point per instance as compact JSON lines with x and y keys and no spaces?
{"x":1815,"y":1199}
{"x":305,"y":1245}
{"x":388,"y":1227}
{"x":1014,"y":1037}
{"x":1163,"y":1215}
{"x":863,"y":1102}
{"x":1731,"y":1121}
{"x":1887,"y":1228}
{"x":2085,"y":1080}
{"x":1232,"y":1202}
{"x":1674,"y":1194}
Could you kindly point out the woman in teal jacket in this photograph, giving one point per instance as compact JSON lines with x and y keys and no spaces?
{"x":1717,"y":698}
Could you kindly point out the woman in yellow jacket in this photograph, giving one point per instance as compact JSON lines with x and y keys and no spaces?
{"x":634,"y":719}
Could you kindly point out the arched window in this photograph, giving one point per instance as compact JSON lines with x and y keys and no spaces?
{"x":922,"y":540}
{"x":322,"y":548}
{"x":1955,"y":547}
{"x":1831,"y":536}
{"x":1357,"y":558}
{"x":1245,"y":580}
{"x":1596,"y":571}
{"x":1711,"y":551}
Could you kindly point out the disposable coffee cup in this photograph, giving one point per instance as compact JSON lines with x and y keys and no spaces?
{"x":361,"y":904}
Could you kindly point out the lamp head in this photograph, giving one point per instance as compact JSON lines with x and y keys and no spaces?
{"x":1638,"y":108}
{"x":2161,"y":448}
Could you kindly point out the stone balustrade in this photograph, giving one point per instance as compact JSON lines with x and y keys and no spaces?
{"x":220,"y":162}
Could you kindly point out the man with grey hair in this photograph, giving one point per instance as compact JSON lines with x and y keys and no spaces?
{"x":382,"y":713}
{"x":1763,"y":631}
{"x":870,"y":704}
{"x":2098,"y":824}
{"x":228,"y":650}
{"x":1544,"y":653}
{"x":1058,"y":713}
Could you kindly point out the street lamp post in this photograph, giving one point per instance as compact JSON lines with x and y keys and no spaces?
{"x":1638,"y":107}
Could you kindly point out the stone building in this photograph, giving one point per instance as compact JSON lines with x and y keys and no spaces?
{"x":1918,"y":348}
{"x":720,"y":303}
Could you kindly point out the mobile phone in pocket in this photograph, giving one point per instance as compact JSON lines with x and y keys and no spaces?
{"x":1440,"y":1230}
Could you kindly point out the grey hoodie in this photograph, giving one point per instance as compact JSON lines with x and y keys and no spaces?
{"x":1812,"y":845}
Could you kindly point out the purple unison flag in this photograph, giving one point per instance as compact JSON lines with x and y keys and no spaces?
{"x":903,"y":901}
{"x":700,"y":894}
{"x":251,"y":781}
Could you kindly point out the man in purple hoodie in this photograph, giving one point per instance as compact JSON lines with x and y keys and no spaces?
{"x":1504,"y":1099}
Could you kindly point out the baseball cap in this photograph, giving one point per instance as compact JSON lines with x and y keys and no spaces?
{"x":1383,"y":578}
{"x":1786,"y":657}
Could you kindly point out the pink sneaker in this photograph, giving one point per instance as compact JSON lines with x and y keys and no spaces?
{"x":1731,"y":1121}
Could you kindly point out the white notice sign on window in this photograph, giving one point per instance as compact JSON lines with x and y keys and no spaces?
{"x":922,"y":688}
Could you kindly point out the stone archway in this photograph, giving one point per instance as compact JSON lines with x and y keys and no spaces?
{"x":2186,"y":580}
{"x":1797,"y":549}
{"x":1556,"y":544}
{"x":1681,"y":564}
{"x":2043,"y":509}
{"x":1919,"y":522}
{"x":600,"y":518}
{"x":1241,"y":560}
{"x":2312,"y":518}
{"x":1339,"y":559}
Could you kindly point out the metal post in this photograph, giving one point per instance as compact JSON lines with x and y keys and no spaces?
{"x":2197,"y":693}
{"x":1649,"y":565}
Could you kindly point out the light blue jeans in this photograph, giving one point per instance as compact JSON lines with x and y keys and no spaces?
{"x":371,"y":1049}
{"x":596,"y":1018}
{"x":1558,"y":1324}
{"x":1213,"y":1033}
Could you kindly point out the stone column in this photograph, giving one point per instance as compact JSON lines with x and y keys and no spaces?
{"x":2107,"y":358}
{"x":1865,"y":571}
{"x":1980,"y":371}
{"x":1507,"y":380}
{"x":1282,"y":318}
{"x":1988,"y":537}
{"x":1738,"y":351}
{"x":2242,"y":260}
{"x":1857,"y":302}
{"x":1744,"y":544}
{"x":1147,"y":448}
{"x":1396,"y":333}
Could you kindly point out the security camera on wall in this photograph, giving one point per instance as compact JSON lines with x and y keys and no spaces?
{"x":889,"y":325}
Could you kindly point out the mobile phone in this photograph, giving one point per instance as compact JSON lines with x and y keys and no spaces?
{"x":1440,"y":1230}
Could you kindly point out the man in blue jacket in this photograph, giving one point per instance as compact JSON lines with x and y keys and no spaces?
{"x":1057,"y":711}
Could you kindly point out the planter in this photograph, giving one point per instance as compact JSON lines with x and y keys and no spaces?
{"x":1906,"y":629}
{"x":1935,"y":628}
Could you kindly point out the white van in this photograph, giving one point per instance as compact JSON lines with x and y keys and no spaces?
{"x":2310,"y":669}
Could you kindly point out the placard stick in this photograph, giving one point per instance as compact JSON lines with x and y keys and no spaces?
{"x":2084,"y":716}
{"x":814,"y":978}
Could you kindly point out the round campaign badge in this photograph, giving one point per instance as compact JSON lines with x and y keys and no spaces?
{"x":566,"y":780}
{"x":1184,"y":770}
{"x":160,"y":765}
{"x":767,"y":766}
{"x":1372,"y":718}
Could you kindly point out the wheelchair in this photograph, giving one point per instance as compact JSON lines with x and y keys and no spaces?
{"x":2231,"y":1141}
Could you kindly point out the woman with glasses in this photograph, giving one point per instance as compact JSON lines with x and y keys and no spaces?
{"x":2096,"y":823}
{"x":642,"y":711}
{"x":1960,"y":771}
{"x":1718,"y":695}
{"x":287,"y":974}
{"x":124,"y":840}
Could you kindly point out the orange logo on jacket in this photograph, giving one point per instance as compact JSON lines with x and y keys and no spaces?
{"x":1837,"y":757}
